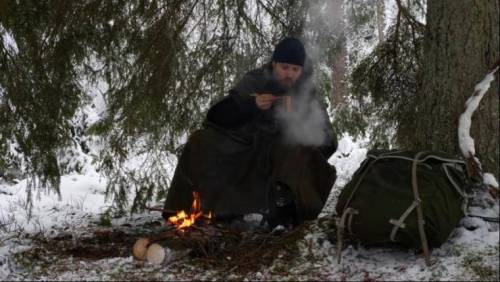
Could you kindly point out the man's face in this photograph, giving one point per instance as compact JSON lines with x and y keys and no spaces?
{"x":286,"y":74}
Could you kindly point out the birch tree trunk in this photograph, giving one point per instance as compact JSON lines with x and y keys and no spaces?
{"x":461,"y":44}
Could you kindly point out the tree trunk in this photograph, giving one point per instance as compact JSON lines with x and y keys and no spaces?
{"x":461,"y":44}
{"x":339,"y":64}
{"x":380,"y":11}
{"x":338,"y":78}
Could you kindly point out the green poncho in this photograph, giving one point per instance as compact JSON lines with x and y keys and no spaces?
{"x":234,"y":167}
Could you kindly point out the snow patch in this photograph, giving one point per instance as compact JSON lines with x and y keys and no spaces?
{"x":8,"y":41}
{"x":490,"y":180}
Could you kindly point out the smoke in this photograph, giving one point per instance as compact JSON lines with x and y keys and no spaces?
{"x":323,"y":35}
{"x":324,"y":30}
{"x":306,"y":123}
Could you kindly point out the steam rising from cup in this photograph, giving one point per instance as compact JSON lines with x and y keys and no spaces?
{"x":306,"y":122}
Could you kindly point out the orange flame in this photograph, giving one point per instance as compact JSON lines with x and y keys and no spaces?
{"x":183,"y":220}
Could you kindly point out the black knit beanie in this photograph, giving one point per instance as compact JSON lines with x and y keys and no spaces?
{"x":290,"y":50}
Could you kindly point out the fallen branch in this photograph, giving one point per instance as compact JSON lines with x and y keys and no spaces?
{"x":172,"y":212}
{"x":161,"y":210}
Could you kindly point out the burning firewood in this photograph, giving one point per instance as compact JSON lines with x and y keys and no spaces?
{"x":182,"y":233}
{"x":182,"y":220}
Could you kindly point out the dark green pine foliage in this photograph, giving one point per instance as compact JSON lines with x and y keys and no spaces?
{"x":383,"y":85}
{"x":163,"y":63}
{"x":39,"y":82}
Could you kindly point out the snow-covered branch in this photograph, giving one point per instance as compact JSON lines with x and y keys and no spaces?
{"x":465,"y":141}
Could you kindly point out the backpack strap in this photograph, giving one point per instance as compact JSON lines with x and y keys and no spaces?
{"x":420,"y":214}
{"x":400,"y":222}
{"x":340,"y":229}
{"x":462,"y":193}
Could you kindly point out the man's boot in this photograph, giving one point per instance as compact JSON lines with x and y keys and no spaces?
{"x":282,"y":208}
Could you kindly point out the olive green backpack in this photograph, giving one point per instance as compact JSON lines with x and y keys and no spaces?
{"x":405,"y":198}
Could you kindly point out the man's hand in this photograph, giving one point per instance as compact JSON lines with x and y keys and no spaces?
{"x":265,"y":101}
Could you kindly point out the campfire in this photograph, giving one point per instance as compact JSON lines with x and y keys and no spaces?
{"x":149,"y":248}
{"x":182,"y":220}
{"x":193,"y":234}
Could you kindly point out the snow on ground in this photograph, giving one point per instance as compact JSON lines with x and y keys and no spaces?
{"x":471,"y":253}
{"x":83,"y":193}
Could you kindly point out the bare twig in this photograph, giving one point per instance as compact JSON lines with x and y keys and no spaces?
{"x":415,"y":24}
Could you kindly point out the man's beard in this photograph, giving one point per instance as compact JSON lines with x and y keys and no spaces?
{"x":287,"y":82}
